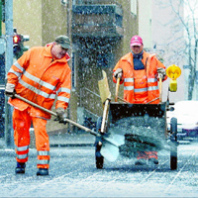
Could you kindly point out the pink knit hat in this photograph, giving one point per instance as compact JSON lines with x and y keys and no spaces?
{"x":136,"y":41}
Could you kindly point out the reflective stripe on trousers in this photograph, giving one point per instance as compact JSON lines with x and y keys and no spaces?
{"x":43,"y":158}
{"x":147,"y":154}
{"x":21,"y":153}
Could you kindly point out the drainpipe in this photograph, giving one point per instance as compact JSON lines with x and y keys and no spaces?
{"x":8,"y":63}
{"x":69,"y":35}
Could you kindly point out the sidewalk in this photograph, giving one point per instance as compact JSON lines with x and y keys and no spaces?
{"x":73,"y":139}
{"x":59,"y":139}
{"x":2,"y":143}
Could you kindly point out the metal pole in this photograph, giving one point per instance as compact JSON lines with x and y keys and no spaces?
{"x":68,"y":34}
{"x":8,"y":63}
{"x":1,"y":18}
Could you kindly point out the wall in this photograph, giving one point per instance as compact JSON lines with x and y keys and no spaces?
{"x":145,"y":22}
{"x":27,"y":18}
{"x":42,"y":20}
{"x":54,"y":20}
{"x":130,"y":25}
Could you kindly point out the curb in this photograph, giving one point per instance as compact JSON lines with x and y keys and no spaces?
{"x":72,"y":145}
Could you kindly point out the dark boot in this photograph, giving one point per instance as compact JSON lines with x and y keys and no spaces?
{"x":153,"y":161}
{"x":141,"y":162}
{"x":42,"y":172}
{"x":20,"y":168}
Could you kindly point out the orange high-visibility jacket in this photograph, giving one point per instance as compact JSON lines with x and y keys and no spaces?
{"x":140,"y":86}
{"x":40,"y":79}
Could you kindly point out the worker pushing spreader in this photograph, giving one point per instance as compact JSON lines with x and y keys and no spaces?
{"x":142,"y":127}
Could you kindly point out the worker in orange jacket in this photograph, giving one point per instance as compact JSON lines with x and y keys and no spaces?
{"x":139,"y":71}
{"x":40,"y":75}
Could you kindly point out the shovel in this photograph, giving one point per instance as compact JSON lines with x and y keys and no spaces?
{"x":111,"y":143}
{"x":160,"y":87}
{"x":118,"y":140}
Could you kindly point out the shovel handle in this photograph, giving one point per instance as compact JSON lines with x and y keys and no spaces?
{"x":123,"y":100}
{"x":160,"y":88}
{"x":54,"y":114}
{"x":35,"y":105}
{"x":117,"y":89}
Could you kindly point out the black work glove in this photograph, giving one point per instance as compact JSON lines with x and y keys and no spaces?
{"x":161,"y":73}
{"x":61,"y":115}
{"x":118,"y":73}
{"x":9,"y":90}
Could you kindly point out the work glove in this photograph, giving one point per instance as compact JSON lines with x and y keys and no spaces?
{"x":9,"y":90}
{"x":61,"y":115}
{"x":118,"y":73}
{"x":161,"y":73}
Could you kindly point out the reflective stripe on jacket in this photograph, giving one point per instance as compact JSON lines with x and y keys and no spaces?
{"x":140,"y":86}
{"x":39,"y":78}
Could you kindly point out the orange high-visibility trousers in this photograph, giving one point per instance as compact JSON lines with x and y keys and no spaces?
{"x":21,"y":123}
{"x":147,"y":155}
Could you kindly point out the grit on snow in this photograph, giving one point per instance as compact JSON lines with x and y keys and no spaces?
{"x":73,"y":174}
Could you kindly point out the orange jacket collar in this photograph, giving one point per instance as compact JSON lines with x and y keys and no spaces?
{"x":47,"y":53}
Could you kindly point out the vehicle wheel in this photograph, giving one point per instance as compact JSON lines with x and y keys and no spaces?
{"x":98,"y":157}
{"x":173,"y":152}
{"x":99,"y":160}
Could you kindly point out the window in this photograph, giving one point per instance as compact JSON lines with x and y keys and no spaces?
{"x":134,"y":7}
{"x":2,"y":69}
{"x":105,"y":60}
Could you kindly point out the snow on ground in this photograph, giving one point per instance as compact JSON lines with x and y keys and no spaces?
{"x":73,"y":174}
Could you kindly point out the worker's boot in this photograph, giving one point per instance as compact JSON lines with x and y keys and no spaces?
{"x":42,"y":172}
{"x":20,"y":168}
{"x":153,"y":161}
{"x":141,"y":162}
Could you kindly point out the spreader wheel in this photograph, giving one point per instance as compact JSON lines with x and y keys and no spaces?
{"x":173,"y":152}
{"x":98,"y":157}
{"x":99,"y":162}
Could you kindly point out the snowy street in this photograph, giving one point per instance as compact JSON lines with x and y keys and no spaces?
{"x":89,"y":86}
{"x":73,"y":174}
